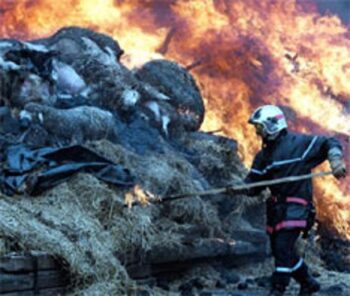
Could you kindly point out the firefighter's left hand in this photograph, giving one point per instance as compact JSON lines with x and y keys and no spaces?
{"x":338,"y":168}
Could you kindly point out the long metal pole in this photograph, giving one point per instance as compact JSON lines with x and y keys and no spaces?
{"x":246,"y":186}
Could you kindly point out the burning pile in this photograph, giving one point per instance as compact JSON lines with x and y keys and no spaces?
{"x":74,"y":88}
{"x":243,"y":53}
{"x":71,"y":90}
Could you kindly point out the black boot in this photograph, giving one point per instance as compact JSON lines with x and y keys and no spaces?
{"x":309,"y":286}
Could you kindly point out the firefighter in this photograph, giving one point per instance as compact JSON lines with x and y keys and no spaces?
{"x":290,"y":209}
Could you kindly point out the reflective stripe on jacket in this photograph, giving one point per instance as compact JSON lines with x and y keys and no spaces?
{"x":291,"y":154}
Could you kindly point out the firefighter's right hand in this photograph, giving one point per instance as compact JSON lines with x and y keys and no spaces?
{"x":338,"y":168}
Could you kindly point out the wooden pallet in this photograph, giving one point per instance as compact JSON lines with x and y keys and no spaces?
{"x":174,"y":259}
{"x":32,"y":273}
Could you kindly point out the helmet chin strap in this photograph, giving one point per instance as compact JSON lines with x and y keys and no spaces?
{"x":273,"y":136}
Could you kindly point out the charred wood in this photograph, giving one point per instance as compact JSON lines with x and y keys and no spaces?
{"x":164,"y":48}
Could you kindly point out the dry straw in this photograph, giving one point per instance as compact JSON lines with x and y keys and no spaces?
{"x":85,"y":223}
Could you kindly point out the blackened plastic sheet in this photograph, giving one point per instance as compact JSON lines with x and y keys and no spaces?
{"x":34,"y":170}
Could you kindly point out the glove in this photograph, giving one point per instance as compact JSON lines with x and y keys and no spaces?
{"x":338,"y":167}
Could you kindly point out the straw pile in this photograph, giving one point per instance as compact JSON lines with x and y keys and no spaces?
{"x":85,"y":222}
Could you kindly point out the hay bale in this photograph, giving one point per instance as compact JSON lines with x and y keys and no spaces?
{"x":178,"y":84}
{"x":216,"y":157}
{"x":57,"y":223}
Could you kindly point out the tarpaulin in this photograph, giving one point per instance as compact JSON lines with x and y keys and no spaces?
{"x":33,"y":170}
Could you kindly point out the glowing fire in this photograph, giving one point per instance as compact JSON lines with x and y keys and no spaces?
{"x":243,"y":53}
{"x":138,"y":196}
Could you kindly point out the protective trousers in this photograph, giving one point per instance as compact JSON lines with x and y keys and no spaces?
{"x":287,"y":263}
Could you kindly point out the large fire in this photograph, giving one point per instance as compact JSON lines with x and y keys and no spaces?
{"x":244,"y":53}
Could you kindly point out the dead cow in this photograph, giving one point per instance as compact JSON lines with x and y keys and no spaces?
{"x":76,"y":125}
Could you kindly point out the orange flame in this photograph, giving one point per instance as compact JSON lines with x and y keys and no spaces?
{"x":138,"y":196}
{"x":243,"y":53}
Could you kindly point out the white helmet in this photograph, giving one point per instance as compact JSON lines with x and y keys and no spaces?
{"x":270,"y":119}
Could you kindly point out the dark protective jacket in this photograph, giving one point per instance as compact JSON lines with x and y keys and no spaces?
{"x":290,"y":154}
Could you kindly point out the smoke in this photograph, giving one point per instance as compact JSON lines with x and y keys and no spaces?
{"x":341,"y":8}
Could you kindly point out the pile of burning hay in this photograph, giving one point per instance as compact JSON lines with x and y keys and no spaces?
{"x":70,"y":90}
{"x":83,"y":138}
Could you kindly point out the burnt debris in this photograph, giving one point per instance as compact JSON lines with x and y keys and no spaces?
{"x":71,"y":88}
